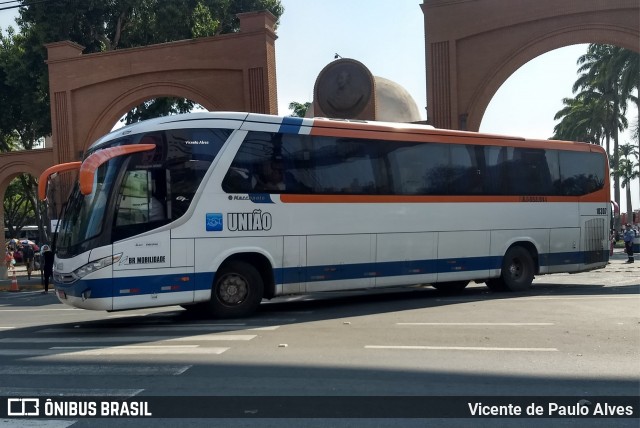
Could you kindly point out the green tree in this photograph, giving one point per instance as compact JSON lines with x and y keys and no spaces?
{"x":581,"y":119}
{"x":596,"y":114}
{"x":103,"y":25}
{"x":18,"y":206}
{"x":628,"y":62}
{"x":299,"y":109}
{"x":627,"y":171}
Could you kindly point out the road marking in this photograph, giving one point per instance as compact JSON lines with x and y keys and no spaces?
{"x":78,"y":392}
{"x":578,"y":297}
{"x":138,"y":350}
{"x":206,"y":337}
{"x":162,"y":329}
{"x":215,"y":337}
{"x":41,"y":423}
{"x":6,"y":328}
{"x":509,"y":324}
{"x":71,"y":351}
{"x":461,"y":348}
{"x":516,"y":299}
{"x":38,"y":310}
{"x":95,"y":370}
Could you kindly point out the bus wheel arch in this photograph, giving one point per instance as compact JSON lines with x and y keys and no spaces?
{"x":240,"y":284}
{"x":519,"y":265}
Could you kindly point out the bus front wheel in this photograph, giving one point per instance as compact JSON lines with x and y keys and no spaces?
{"x":517,"y":271}
{"x":237,"y":290}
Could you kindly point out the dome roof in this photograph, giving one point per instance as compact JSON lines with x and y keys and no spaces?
{"x":393,"y":103}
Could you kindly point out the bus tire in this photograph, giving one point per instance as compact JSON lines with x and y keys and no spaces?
{"x":517,"y":270}
{"x":450,"y":287}
{"x":237,"y":290}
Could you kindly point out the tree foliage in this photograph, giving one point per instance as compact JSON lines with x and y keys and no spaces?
{"x":19,"y":207}
{"x":299,"y":109}
{"x":608,"y":78}
{"x":627,"y":170}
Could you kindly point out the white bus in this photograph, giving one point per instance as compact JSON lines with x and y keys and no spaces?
{"x":219,"y":211}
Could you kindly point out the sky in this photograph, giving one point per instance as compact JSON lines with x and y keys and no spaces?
{"x":387,"y":36}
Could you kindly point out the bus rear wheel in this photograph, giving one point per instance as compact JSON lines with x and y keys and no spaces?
{"x":237,"y":290}
{"x":517,"y":271}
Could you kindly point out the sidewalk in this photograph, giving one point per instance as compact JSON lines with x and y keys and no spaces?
{"x":24,"y":284}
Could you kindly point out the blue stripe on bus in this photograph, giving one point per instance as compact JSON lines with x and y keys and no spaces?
{"x":290,"y":125}
{"x":154,"y":284}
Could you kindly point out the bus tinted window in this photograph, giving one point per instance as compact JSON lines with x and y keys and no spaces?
{"x":284,"y":163}
{"x":159,"y":185}
{"x":577,"y":172}
{"x":289,"y":163}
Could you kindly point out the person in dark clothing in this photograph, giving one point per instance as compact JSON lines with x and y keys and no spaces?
{"x":27,"y":257}
{"x":47,"y":266}
{"x":629,"y":235}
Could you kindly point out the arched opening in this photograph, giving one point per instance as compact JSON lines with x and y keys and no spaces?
{"x":157,"y":107}
{"x":526,"y":103}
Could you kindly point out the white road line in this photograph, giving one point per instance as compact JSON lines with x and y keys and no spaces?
{"x":142,"y":350}
{"x":461,"y":348}
{"x":39,"y":423}
{"x":163,"y":329}
{"x":94,"y":370}
{"x":525,"y":299}
{"x":207,"y":337}
{"x":38,"y":310}
{"x":214,"y":337}
{"x":635,"y":296}
{"x":116,"y":350}
{"x":509,"y":324}
{"x":78,"y":392}
{"x":6,"y":328}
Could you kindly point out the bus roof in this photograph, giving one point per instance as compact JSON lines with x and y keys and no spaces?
{"x":328,"y":126}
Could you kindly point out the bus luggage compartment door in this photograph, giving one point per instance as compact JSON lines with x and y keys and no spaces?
{"x":153,"y":271}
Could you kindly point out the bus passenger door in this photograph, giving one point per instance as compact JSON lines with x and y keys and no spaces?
{"x":153,"y":271}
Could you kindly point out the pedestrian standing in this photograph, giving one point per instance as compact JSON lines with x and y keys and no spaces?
{"x":27,"y":256}
{"x":612,"y":242}
{"x":10,"y":261}
{"x":629,"y":235}
{"x":47,"y":266}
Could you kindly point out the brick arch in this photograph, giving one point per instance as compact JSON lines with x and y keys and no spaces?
{"x":89,"y":93}
{"x":126,"y":101}
{"x":15,"y":163}
{"x":468,"y":62}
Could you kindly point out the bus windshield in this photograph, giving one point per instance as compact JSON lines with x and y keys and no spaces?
{"x":137,"y":192}
{"x":84,"y":216}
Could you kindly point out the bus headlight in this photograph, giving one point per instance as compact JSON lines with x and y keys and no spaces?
{"x":95,"y":265}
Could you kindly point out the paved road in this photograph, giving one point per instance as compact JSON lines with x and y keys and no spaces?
{"x":572,"y":336}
